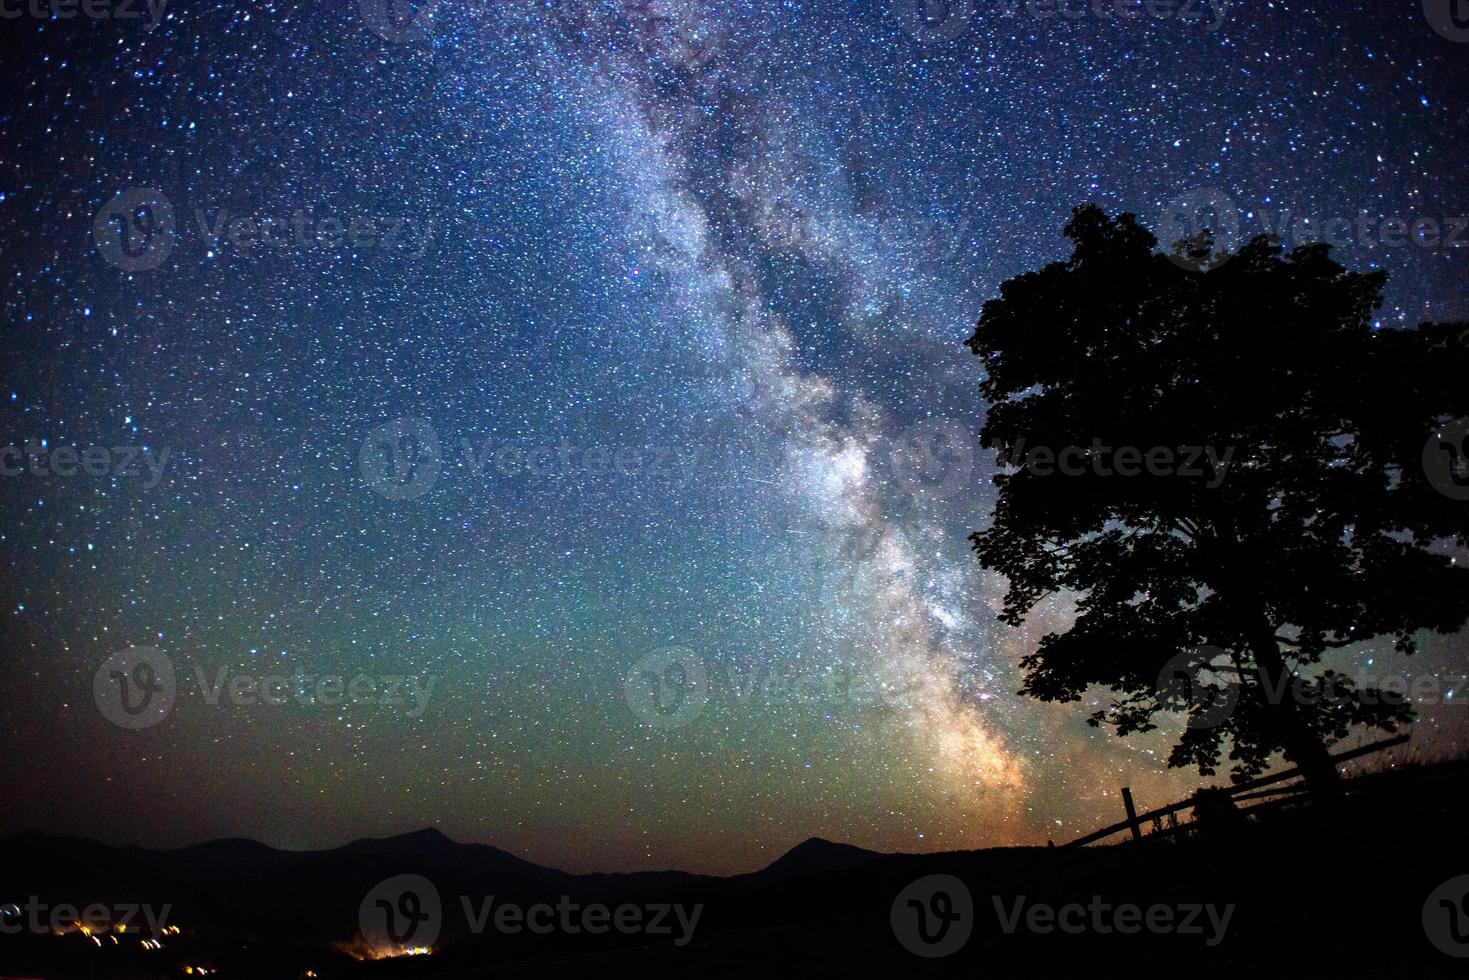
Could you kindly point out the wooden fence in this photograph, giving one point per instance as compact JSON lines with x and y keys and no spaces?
{"x":1267,"y":789}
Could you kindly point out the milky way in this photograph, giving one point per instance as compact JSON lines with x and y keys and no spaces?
{"x":599,"y":367}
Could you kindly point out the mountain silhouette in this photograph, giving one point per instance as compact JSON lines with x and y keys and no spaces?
{"x":825,"y":908}
{"x":815,"y":855}
{"x":432,"y":848}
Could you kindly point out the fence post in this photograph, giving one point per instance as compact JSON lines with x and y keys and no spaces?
{"x":1137,"y":831}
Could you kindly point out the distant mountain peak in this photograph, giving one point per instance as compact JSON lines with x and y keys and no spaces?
{"x":430,"y":847}
{"x":814,"y":855}
{"x":424,"y":839}
{"x":426,"y":835}
{"x":820,"y":845}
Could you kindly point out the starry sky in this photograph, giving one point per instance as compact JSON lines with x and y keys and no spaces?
{"x":709,"y":268}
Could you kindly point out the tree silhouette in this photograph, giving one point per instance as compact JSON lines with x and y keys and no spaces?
{"x":1322,"y":529}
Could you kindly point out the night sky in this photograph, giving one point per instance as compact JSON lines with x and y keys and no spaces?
{"x":708,"y":269}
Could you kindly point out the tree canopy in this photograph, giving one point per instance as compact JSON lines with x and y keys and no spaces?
{"x":1309,"y":524}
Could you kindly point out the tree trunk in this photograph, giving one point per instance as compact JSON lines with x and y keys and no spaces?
{"x":1283,"y":715}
